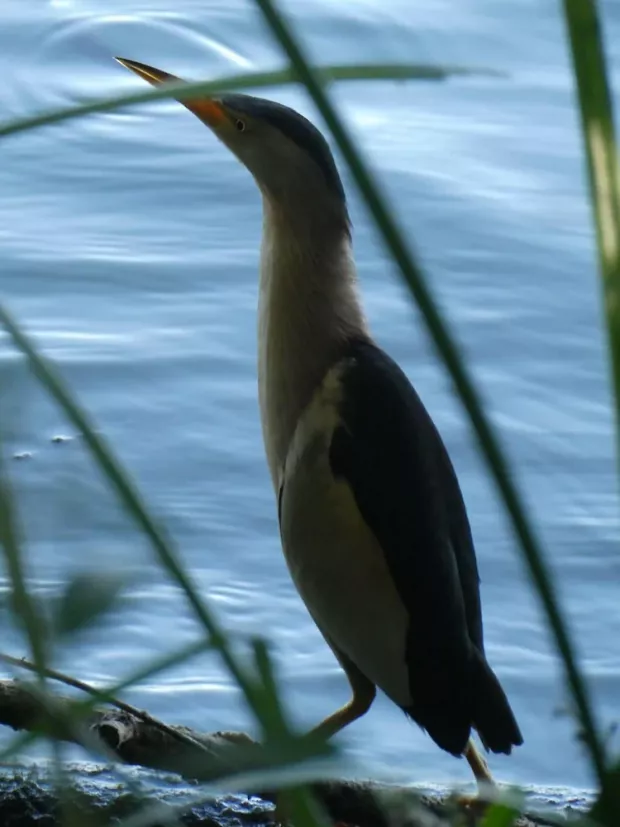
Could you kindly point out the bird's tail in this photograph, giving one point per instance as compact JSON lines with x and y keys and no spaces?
{"x":492,"y":716}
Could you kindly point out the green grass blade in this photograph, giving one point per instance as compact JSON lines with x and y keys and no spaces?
{"x":17,"y":745}
{"x":606,"y":809}
{"x":24,"y":606}
{"x":585,"y":34}
{"x":302,"y":808}
{"x":505,"y":807}
{"x":155,"y":667}
{"x":448,"y":351}
{"x":500,"y":815}
{"x":597,"y":122}
{"x":271,"y":700}
{"x":86,"y":597}
{"x":250,"y":80}
{"x":134,"y":505}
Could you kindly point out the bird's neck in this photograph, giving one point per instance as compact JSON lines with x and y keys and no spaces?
{"x":309,"y":309}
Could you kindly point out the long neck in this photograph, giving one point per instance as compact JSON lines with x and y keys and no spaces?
{"x":308,"y":310}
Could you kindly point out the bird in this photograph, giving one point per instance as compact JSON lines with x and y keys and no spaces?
{"x":373,"y":523}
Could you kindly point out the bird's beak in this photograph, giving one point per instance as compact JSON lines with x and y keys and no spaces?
{"x":209,"y":111}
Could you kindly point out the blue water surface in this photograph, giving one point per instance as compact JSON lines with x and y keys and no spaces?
{"x":129,"y":248}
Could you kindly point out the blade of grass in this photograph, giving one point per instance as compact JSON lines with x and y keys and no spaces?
{"x":606,"y":809}
{"x":156,"y":666}
{"x":136,"y":508}
{"x":601,"y":149}
{"x":25,"y":608}
{"x":253,"y":80}
{"x":17,"y":745}
{"x":23,"y":604}
{"x":273,"y":705}
{"x":109,"y":693}
{"x":303,"y":807}
{"x":505,"y":806}
{"x":86,"y":597}
{"x":500,"y":815}
{"x":464,"y":385}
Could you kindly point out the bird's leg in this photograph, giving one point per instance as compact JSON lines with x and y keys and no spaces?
{"x":364,"y":692}
{"x":478,"y":765}
{"x":483,"y":777}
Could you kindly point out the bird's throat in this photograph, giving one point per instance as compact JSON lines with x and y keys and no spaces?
{"x":309,"y":309}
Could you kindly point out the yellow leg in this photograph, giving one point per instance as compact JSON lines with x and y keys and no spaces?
{"x":476,"y":804}
{"x":478,"y":765}
{"x":363,"y":695}
{"x":364,"y":692}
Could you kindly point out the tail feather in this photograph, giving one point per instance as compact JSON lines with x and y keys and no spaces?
{"x":492,"y":716}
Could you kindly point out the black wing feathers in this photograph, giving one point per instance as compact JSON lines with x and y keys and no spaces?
{"x":392,"y":456}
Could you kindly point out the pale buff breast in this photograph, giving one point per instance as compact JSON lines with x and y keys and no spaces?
{"x":335,"y":562}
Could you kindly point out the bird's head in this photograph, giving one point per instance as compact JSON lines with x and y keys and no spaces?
{"x":287,"y":155}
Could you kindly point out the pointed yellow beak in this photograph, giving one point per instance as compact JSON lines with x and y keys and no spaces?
{"x":209,"y":111}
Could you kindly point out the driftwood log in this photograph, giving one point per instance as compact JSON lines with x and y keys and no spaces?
{"x":201,"y":757}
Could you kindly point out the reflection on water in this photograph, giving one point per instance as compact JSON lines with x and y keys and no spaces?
{"x":129,"y":244}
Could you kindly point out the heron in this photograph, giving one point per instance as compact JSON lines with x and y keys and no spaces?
{"x":373,"y":524}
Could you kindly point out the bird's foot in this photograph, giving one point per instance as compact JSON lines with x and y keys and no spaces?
{"x":473,"y":804}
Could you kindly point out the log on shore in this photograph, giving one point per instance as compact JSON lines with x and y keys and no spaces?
{"x":149,"y":744}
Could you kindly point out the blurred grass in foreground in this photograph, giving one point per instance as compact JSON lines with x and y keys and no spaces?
{"x":255,"y":679}
{"x":597,"y":121}
{"x":585,"y":34}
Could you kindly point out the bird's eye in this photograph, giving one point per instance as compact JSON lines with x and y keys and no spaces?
{"x":240,"y":125}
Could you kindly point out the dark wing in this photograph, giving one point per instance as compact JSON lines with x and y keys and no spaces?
{"x":460,"y":538}
{"x":390,"y":453}
{"x":393,"y":457}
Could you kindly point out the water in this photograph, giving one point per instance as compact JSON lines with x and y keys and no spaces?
{"x":129,"y":248}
